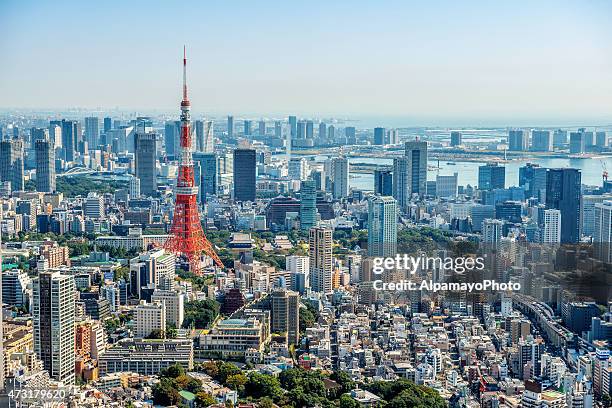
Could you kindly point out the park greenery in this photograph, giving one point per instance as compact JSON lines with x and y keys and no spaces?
{"x":199,"y":314}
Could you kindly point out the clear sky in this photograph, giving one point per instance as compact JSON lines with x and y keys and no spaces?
{"x":426,"y":61}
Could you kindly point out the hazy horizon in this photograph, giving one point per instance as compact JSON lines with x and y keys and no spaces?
{"x":435,"y":64}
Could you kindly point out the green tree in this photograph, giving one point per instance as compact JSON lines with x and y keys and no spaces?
{"x":203,"y":399}
{"x":236,"y":382}
{"x":347,"y":402}
{"x":164,"y":393}
{"x":200,"y":313}
{"x":262,"y":385}
{"x":173,"y":371}
{"x":156,"y":334}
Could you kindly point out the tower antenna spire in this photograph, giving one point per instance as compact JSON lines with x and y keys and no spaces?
{"x":184,"y":73}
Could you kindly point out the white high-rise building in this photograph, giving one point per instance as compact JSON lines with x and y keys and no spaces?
{"x":340,"y":184}
{"x":94,"y":205}
{"x":321,"y":261}
{"x":53,"y":317}
{"x":174,"y":303}
{"x":134,"y":187}
{"x":298,"y":168}
{"x":492,"y":231}
{"x":382,"y":226}
{"x":209,"y":137}
{"x":551,"y":233}
{"x":149,"y":317}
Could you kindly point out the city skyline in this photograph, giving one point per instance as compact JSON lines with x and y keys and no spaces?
{"x":425,"y":65}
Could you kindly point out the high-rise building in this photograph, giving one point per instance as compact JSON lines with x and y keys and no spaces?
{"x":309,"y":129}
{"x":134,"y":187}
{"x":340,"y":177}
{"x":532,"y":177}
{"x":456,"y":139}
{"x":297,"y":168}
{"x":209,"y":137}
{"x":209,"y":174}
{"x":108,"y":124}
{"x":331,"y":133}
{"x":199,"y":135}
{"x":379,"y":136}
{"x":491,"y":176}
{"x":541,"y":141}
{"x":551,"y":233}
{"x":577,"y":142}
{"x":247,"y":128}
{"x":383,"y":182}
{"x":245,"y":162}
{"x":174,"y":305}
{"x":446,"y":186}
{"x":518,"y":140}
{"x":149,"y":317}
{"x":401,"y":182}
{"x":171,"y":135}
{"x":563,"y":193}
{"x":286,"y":314}
{"x":351,"y":137}
{"x":382,"y":226}
{"x":230,"y":126}
{"x":322,"y":132}
{"x":92,"y":131}
{"x":94,"y":205}
{"x":602,"y":231}
{"x":11,"y":163}
{"x":321,"y":261}
{"x":53,"y":317}
{"x":38,"y":134}
{"x":278,"y":129}
{"x":416,"y":152}
{"x":559,"y":138}
{"x":308,"y":205}
{"x":292,"y":127}
{"x":45,"y":166}
{"x":492,"y":231}
{"x":262,"y":127}
{"x":69,"y":139}
{"x":146,"y":162}
{"x":601,"y":139}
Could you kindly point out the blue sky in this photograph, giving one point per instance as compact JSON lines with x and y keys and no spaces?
{"x":425,"y":60}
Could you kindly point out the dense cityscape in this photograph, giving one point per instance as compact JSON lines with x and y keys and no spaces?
{"x":237,"y":262}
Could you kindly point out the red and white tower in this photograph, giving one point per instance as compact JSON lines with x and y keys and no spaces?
{"x":187,"y":238}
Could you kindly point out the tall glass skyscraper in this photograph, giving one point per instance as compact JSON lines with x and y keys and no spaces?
{"x":491,"y":176}
{"x":382,"y":226}
{"x":245,"y":175}
{"x":563,"y":193}
{"x":308,"y":204}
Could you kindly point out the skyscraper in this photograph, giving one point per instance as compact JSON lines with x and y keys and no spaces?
{"x":321,"y":261}
{"x":262,"y":128}
{"x":382,"y":226}
{"x":286,"y":314}
{"x":383,"y":182}
{"x":230,"y":126}
{"x":533,"y":178}
{"x":292,"y":127}
{"x":491,"y":176}
{"x":11,"y":163}
{"x":108,"y":124}
{"x":45,"y":166}
{"x":340,"y":169}
{"x":577,"y":142}
{"x":308,"y":205}
{"x":602,"y":231}
{"x":247,"y":128}
{"x":379,"y":136}
{"x":563,"y":193}
{"x":492,"y":231}
{"x":199,"y":135}
{"x":322,"y":132}
{"x":53,"y":317}
{"x":541,"y":141}
{"x":351,"y":137}
{"x":551,"y":233}
{"x":171,"y":132}
{"x":416,"y":152}
{"x":456,"y":139}
{"x":245,"y":175}
{"x":446,"y":186}
{"x":146,"y":162}
{"x":69,"y":139}
{"x":92,"y":131}
{"x":518,"y":140}
{"x":209,"y":174}
{"x":209,"y":137}
{"x":401,"y":182}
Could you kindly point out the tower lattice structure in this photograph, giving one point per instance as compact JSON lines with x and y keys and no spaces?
{"x":187,"y":237}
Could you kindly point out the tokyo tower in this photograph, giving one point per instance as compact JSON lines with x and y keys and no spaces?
{"x":187,"y":238}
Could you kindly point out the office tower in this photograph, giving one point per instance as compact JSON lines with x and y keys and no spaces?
{"x":559,"y":138}
{"x":379,"y":136}
{"x":479,"y":213}
{"x":331,"y":133}
{"x":577,"y":142}
{"x":45,"y":166}
{"x":340,"y":170}
{"x":392,"y":136}
{"x":351,"y":137}
{"x":199,"y":135}
{"x":244,"y":175}
{"x":296,"y":264}
{"x":401,"y":181}
{"x":416,"y":152}
{"x":69,"y":139}
{"x":491,"y":176}
{"x":171,"y":136}
{"x":209,"y":174}
{"x":446,"y":186}
{"x":541,"y":141}
{"x":322,"y":132}
{"x":508,"y":211}
{"x":174,"y":306}
{"x":11,"y":163}
{"x":108,"y":124}
{"x":308,"y":205}
{"x":53,"y":317}
{"x":247,"y":128}
{"x":146,"y":162}
{"x":456,"y":139}
{"x":292,"y":127}
{"x":209,"y":137}
{"x":309,"y":129}
{"x":382,"y":226}
{"x":230,"y":126}
{"x":532,"y":178}
{"x":134,"y":187}
{"x":278,"y":129}
{"x":563,"y":193}
{"x":38,"y":134}
{"x":587,"y":211}
{"x":518,"y":140}
{"x":262,"y":128}
{"x":297,"y":168}
{"x":321,"y":261}
{"x":551,"y":233}
{"x":94,"y":205}
{"x":92,"y":131}
{"x":383,"y":182}
{"x":286,"y":314}
{"x":301,"y":130}
{"x":149,"y":317}
{"x":602,"y":231}
{"x":492,"y":231}
{"x":15,"y":284}
{"x":601,"y":139}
